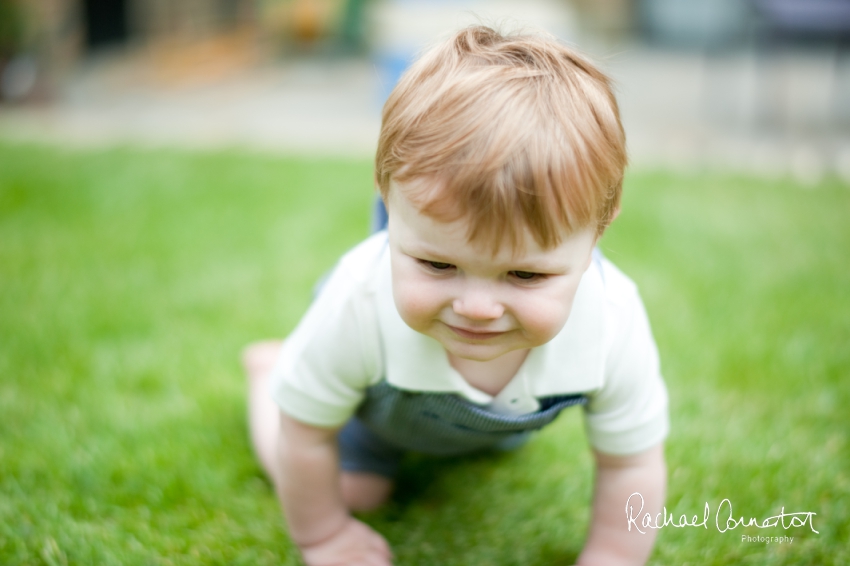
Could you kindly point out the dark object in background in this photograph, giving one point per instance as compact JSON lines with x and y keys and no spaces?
{"x":18,"y":71}
{"x":11,"y":29}
{"x":784,"y":25}
{"x":105,"y":22}
{"x":722,"y":23}
{"x":814,"y":19}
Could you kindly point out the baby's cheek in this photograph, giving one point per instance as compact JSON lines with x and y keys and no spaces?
{"x":414,"y":303}
{"x":545,"y":320}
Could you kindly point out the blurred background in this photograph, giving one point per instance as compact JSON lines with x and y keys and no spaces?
{"x":757,"y":85}
{"x":131,"y":278}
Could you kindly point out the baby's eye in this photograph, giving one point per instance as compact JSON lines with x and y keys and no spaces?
{"x":438,"y":265}
{"x":525,"y":275}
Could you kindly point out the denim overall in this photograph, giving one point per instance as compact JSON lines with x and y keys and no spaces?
{"x":391,"y":420}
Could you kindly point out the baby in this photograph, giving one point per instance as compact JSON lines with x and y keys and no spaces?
{"x":480,"y":313}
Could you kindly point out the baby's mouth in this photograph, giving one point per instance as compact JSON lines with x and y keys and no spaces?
{"x":473,"y":334}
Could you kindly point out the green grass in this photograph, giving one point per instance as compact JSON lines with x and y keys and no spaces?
{"x":130,"y":279}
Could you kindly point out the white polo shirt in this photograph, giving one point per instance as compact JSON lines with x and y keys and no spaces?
{"x":352,"y":337}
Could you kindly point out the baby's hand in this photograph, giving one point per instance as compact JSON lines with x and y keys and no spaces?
{"x":355,"y":544}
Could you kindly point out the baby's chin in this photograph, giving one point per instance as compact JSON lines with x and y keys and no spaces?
{"x":482,"y":352}
{"x":476,"y":352}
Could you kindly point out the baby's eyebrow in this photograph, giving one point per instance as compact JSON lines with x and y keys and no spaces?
{"x":423,"y":252}
{"x":534,"y":265}
{"x":537,"y":266}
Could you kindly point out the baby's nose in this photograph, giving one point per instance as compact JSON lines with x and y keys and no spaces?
{"x":478,"y":306}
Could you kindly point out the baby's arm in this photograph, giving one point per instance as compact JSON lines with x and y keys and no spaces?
{"x":301,"y":461}
{"x":308,"y":486}
{"x":609,"y":541}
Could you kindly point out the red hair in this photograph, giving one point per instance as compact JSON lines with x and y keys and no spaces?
{"x":514,"y":131}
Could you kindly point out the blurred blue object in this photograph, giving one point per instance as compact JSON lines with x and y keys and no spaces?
{"x":393,"y":64}
{"x":379,"y":215}
{"x":806,"y":17}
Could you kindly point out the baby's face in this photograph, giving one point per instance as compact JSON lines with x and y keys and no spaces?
{"x":480,"y":306}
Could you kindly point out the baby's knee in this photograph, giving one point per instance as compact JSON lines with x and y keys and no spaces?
{"x":259,"y":358}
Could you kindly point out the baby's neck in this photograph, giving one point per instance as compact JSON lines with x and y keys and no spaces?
{"x":491,"y":376}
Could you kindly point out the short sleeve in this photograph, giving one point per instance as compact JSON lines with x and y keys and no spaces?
{"x":333,"y":354}
{"x":628,"y":414}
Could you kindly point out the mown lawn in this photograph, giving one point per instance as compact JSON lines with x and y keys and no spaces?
{"x":130,"y":279}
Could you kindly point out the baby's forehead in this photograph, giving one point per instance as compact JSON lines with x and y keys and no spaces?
{"x":494,"y":246}
{"x":497,"y":226}
{"x":522,"y":252}
{"x":503,"y":248}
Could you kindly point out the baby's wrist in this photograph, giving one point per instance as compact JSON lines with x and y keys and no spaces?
{"x":602,"y":557}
